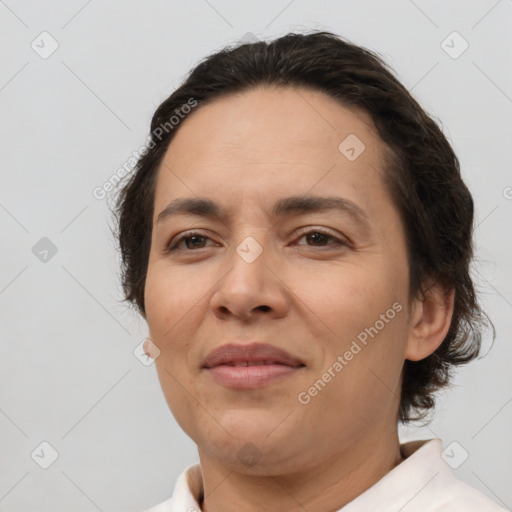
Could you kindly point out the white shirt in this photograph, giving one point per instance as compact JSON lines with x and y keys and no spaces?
{"x":423,"y":482}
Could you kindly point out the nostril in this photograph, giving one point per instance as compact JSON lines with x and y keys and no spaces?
{"x":264,"y":308}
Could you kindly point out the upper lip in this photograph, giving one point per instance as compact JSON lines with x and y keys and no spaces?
{"x":255,"y":352}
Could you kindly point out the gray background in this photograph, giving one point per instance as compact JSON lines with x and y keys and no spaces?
{"x":69,"y":121}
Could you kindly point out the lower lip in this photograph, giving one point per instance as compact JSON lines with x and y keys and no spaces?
{"x":250,"y":377}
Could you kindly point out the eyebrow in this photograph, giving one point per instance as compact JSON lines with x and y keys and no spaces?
{"x":288,"y":206}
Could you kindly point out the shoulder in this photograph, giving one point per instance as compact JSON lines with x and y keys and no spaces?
{"x":165,"y":506}
{"x":458,"y":496}
{"x":431,"y":484}
{"x":187,"y":490}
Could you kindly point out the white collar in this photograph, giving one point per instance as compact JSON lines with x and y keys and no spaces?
{"x":423,"y":481}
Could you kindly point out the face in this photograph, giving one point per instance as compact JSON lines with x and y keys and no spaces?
{"x":328,"y":285}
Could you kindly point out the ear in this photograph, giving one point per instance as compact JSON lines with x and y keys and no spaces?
{"x":430,"y":321}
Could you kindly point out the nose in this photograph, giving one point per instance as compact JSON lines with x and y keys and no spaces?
{"x":252,"y":286}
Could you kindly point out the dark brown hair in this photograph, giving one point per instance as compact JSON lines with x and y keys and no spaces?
{"x":422,"y":174}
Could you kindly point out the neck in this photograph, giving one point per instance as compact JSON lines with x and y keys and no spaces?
{"x":330,"y":484}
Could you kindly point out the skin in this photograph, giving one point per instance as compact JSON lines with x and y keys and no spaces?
{"x":247,"y":151}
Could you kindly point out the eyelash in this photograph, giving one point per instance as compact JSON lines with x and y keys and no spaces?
{"x":172,"y":247}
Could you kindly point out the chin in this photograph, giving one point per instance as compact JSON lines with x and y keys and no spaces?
{"x":251,"y":424}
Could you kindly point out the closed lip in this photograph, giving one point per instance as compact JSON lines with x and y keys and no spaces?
{"x":237,"y":353}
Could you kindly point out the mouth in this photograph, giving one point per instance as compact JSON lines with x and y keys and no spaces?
{"x":251,"y":375}
{"x":251,"y":366}
{"x":254,"y":363}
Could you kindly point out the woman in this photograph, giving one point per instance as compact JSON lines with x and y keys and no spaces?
{"x":297,"y":237}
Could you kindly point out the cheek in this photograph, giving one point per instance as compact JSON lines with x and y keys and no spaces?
{"x":175,"y":307}
{"x":170,"y":296}
{"x":177,"y":388}
{"x":346,"y":297}
{"x":362,"y":309}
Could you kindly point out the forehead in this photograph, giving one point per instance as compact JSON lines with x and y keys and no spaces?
{"x":267,"y":142}
{"x":246,"y":121}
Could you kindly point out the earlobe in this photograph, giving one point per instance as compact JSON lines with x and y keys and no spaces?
{"x":430,"y":322}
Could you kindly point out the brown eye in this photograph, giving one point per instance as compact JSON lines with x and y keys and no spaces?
{"x":320,"y":239}
{"x":192,"y":241}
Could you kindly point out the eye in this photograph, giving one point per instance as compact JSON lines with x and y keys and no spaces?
{"x":319,"y":238}
{"x":195,"y":238}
